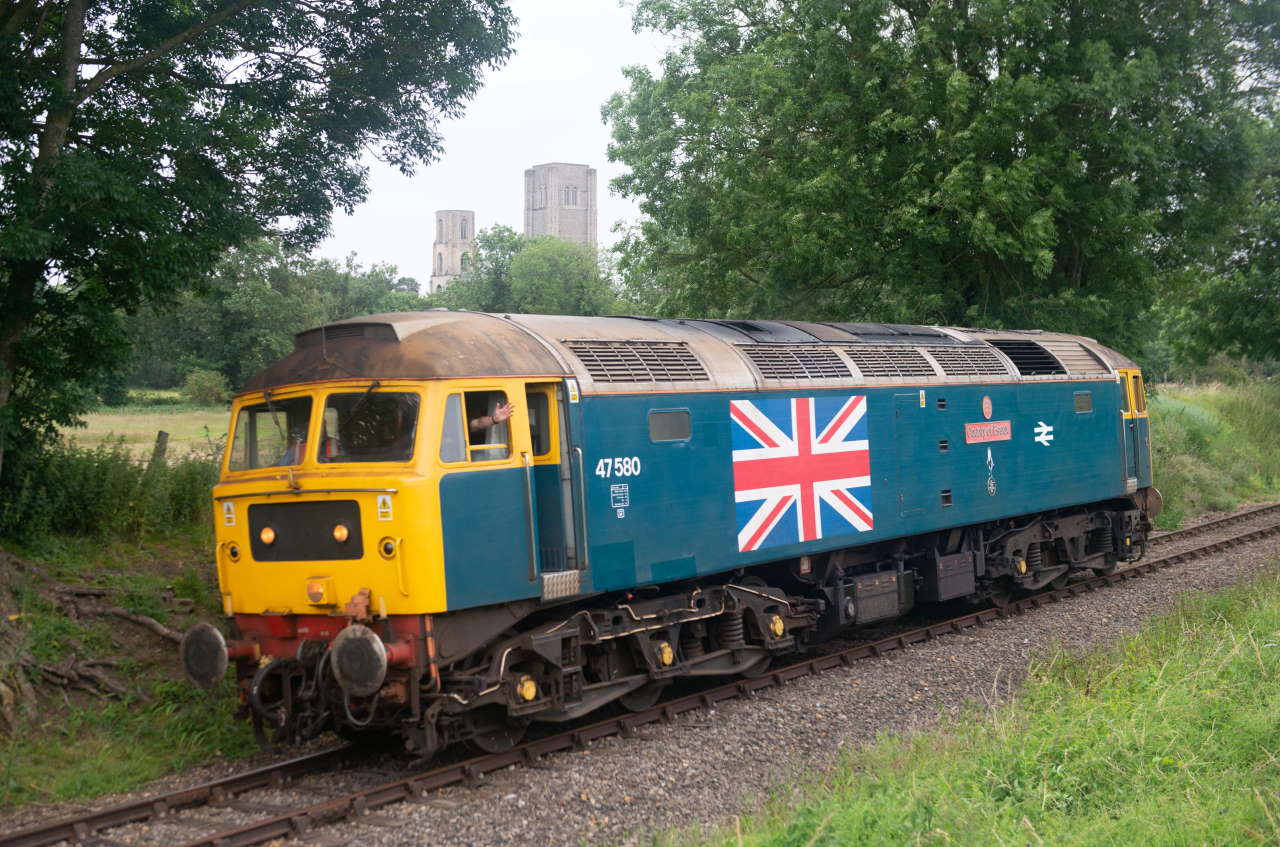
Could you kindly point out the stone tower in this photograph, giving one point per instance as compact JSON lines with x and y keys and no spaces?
{"x":451,"y":253}
{"x":560,"y":200}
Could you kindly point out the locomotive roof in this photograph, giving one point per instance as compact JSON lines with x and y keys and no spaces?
{"x":638,"y":354}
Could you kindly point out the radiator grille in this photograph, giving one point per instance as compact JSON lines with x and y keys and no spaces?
{"x":968,"y":361}
{"x":1077,"y":359}
{"x":638,"y":361}
{"x":796,"y":361}
{"x":1029,"y":357}
{"x":889,"y":361}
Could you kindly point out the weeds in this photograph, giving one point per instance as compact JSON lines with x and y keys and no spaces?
{"x":103,"y":493}
{"x":1214,"y":446}
{"x":1165,"y":738}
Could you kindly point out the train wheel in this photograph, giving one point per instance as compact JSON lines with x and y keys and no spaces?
{"x":1003,"y":591}
{"x":495,"y":732}
{"x":760,"y":668}
{"x":643,"y":697}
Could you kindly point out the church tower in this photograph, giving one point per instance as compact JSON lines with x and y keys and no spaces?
{"x":560,"y":200}
{"x":451,"y":253}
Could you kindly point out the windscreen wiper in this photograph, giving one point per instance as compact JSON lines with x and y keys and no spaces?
{"x":355,"y":408}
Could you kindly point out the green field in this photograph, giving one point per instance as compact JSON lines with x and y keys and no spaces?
{"x":135,"y":425}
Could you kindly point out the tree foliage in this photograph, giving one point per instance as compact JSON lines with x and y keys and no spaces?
{"x":544,"y":275}
{"x":139,"y":140}
{"x":244,"y":315}
{"x":982,"y":162}
{"x":1234,"y":306}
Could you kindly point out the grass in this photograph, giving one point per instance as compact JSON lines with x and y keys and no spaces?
{"x":1214,"y":446}
{"x":117,"y":745}
{"x":135,"y":427}
{"x":75,"y":746}
{"x":1169,"y":738}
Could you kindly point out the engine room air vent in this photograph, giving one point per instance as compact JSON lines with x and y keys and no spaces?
{"x":638,"y":361}
{"x":968,"y":361}
{"x":1076,"y":358}
{"x":889,"y":361}
{"x":796,"y":361}
{"x":315,"y":337}
{"x":1029,"y":357}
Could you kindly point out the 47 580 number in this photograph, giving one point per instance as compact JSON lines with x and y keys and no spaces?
{"x":618,"y":466}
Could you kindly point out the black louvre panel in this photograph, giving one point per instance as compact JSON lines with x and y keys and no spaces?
{"x":796,"y":361}
{"x":638,"y":361}
{"x":304,"y":531}
{"x":968,"y":361}
{"x":1029,"y":357}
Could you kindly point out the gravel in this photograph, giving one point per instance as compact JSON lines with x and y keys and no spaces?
{"x":707,"y":767}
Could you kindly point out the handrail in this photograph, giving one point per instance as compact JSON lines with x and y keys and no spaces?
{"x":584,"y":554}
{"x":530,"y":517}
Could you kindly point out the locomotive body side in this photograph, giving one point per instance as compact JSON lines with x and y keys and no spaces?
{"x":672,"y":514}
{"x":668,"y":499}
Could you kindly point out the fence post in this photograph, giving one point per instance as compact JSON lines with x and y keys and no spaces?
{"x":162,"y":445}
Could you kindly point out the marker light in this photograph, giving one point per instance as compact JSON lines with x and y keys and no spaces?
{"x":233,"y":550}
{"x":341,"y":533}
{"x":268,"y":535}
{"x":387,"y":547}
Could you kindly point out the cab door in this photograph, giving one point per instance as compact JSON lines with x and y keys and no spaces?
{"x":487,"y":496}
{"x":1133,"y":414}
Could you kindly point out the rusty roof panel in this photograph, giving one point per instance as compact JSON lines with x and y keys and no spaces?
{"x":431,"y":345}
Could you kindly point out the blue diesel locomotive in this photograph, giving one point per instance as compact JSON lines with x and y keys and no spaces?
{"x":668,"y":498}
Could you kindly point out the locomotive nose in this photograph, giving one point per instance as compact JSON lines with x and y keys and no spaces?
{"x":359,"y":660}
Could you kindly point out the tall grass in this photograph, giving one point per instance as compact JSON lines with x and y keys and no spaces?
{"x":1213,"y":446}
{"x":103,"y":492}
{"x":1168,"y":738}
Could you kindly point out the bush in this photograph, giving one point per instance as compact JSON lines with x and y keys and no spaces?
{"x":104,"y":492}
{"x":1214,"y":446}
{"x":206,"y":388}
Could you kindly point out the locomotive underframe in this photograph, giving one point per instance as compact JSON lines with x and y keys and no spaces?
{"x":484,"y":674}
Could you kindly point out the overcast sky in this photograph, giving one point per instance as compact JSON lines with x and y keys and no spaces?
{"x":542,"y":106}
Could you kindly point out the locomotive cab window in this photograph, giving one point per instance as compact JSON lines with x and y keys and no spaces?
{"x":1139,"y":395}
{"x":539,"y":421}
{"x":365,"y":426}
{"x":270,"y":434}
{"x":471,"y":431}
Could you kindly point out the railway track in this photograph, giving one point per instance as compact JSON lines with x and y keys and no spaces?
{"x":89,"y":828}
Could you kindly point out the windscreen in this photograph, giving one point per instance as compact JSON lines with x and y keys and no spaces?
{"x":368,"y":426}
{"x":270,"y":434}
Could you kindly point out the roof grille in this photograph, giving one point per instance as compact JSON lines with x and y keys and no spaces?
{"x":315,"y":337}
{"x":889,"y":361}
{"x":796,"y":361}
{"x":968,"y":361}
{"x":1029,"y":357}
{"x":638,"y":361}
{"x":1077,"y":358}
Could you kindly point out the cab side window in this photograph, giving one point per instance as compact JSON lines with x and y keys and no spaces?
{"x":539,"y":422}
{"x":470,"y":432}
{"x":1139,"y":395}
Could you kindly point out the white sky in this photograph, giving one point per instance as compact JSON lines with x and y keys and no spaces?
{"x":542,"y":106}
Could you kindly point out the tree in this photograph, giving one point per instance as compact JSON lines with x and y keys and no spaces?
{"x":554,"y":277}
{"x":245,"y":313}
{"x":139,"y":140}
{"x":984,"y":162}
{"x":1235,"y":307}
{"x":486,"y":285}
{"x":544,"y":275}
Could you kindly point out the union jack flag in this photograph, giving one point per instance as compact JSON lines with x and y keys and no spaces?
{"x":801,"y":469}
